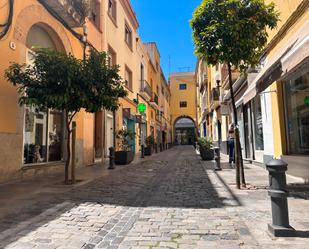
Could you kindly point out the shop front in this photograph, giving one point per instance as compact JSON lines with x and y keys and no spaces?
{"x":296,"y":105}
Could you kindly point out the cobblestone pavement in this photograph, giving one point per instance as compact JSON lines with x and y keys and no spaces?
{"x":170,"y":200}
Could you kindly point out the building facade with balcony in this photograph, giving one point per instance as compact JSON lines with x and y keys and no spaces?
{"x":35,"y":138}
{"x":183,"y":107}
{"x":32,"y":140}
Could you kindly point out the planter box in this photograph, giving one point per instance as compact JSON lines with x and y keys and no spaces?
{"x":148,"y":151}
{"x":207,"y":154}
{"x":124,"y":157}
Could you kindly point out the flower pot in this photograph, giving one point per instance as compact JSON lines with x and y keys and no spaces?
{"x":148,"y":151}
{"x":207,"y":154}
{"x":124,"y":157}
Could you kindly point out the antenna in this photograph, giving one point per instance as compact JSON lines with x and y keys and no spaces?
{"x":169,"y":65}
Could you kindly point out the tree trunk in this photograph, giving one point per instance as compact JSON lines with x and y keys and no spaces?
{"x":68,"y":157}
{"x":73,"y":153}
{"x":238,"y":154}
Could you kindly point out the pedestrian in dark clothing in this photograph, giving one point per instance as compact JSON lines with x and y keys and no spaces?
{"x":231,"y":144}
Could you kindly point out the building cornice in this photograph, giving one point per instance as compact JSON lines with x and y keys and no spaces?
{"x":130,"y":12}
{"x":300,"y":10}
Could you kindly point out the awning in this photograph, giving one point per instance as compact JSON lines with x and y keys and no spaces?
{"x":290,"y":56}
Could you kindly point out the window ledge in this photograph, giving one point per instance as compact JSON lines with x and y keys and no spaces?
{"x":26,"y":167}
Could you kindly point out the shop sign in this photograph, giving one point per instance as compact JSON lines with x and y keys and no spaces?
{"x":225,"y":110}
{"x":141,"y":108}
{"x":307,"y":101}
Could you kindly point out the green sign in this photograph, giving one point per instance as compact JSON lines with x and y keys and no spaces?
{"x":141,"y":108}
{"x":307,"y":101}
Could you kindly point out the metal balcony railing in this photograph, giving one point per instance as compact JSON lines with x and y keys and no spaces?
{"x":146,"y":88}
{"x":155,"y":99}
{"x":73,"y":12}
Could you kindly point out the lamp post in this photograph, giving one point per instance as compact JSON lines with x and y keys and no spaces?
{"x":84,"y":40}
{"x":218,"y":149}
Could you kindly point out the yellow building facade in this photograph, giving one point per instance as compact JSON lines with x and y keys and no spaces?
{"x":183,"y":107}
{"x":32,"y":140}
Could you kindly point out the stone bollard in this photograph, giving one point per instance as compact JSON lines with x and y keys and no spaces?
{"x":142,"y":151}
{"x":278,"y":193}
{"x":217,"y":159}
{"x":111,"y":158}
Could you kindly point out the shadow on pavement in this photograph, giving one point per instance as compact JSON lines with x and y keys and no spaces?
{"x":172,"y":179}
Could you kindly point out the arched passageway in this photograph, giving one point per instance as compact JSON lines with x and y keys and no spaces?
{"x":184,"y":131}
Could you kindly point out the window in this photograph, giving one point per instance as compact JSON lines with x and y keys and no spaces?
{"x":162,"y":90}
{"x":95,"y":13}
{"x":128,"y":78}
{"x":157,"y":89}
{"x":183,"y":86}
{"x":111,"y":57}
{"x":297,"y":113}
{"x":43,"y":135}
{"x":183,"y":104}
{"x":112,"y":9}
{"x":43,"y":128}
{"x":258,"y":124}
{"x":128,"y":36}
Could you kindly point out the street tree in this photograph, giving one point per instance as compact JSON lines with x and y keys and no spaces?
{"x":59,"y":81}
{"x":233,"y":32}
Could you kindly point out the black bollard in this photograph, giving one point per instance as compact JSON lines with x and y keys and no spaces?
{"x":142,"y":151}
{"x":217,"y":159}
{"x":156,"y":148}
{"x":278,"y":193}
{"x":111,"y":158}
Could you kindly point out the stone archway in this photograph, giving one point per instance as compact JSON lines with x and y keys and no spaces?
{"x":37,"y":15}
{"x":184,"y":131}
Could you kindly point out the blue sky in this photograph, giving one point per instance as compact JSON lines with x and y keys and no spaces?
{"x":167,"y":23}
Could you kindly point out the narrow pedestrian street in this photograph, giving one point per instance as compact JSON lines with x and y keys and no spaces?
{"x":169,"y":200}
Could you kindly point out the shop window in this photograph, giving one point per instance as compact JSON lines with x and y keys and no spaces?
{"x":128,"y":36}
{"x":128,"y":78}
{"x":297,"y":113}
{"x":183,"y":86}
{"x":112,"y":9}
{"x":43,"y":128}
{"x":183,"y":104}
{"x":258,"y":124}
{"x":43,"y":135}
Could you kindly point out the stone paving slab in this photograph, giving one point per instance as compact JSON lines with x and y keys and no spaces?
{"x":170,"y":200}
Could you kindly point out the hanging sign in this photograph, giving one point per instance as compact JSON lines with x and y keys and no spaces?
{"x":307,"y":101}
{"x":141,"y":108}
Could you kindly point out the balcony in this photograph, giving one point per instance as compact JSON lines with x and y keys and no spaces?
{"x":214,"y":97}
{"x":146,"y":90}
{"x":155,"y":100}
{"x":73,"y":12}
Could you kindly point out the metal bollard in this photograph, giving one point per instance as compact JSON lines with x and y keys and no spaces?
{"x":161,"y":148}
{"x":156,"y":148}
{"x":111,"y":158}
{"x":142,"y":151}
{"x":278,"y":193}
{"x":217,"y":159}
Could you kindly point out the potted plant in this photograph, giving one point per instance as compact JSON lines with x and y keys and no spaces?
{"x":125,"y":155}
{"x":149,"y":145}
{"x":206,"y":150}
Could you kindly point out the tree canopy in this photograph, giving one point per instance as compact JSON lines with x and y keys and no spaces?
{"x":60,"y":81}
{"x":232,"y":31}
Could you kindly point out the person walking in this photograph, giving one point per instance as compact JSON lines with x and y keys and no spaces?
{"x":231,"y":144}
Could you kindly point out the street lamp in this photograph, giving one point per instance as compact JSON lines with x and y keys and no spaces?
{"x":84,"y":40}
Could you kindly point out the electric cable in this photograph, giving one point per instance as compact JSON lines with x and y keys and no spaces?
{"x":6,"y":26}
